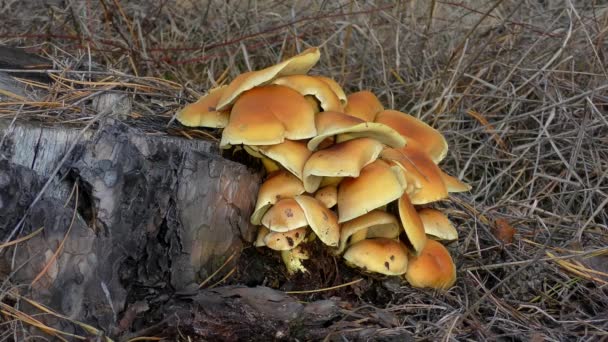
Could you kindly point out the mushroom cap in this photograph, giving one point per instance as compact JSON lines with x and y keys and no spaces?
{"x":412,"y":224}
{"x":433,"y":268}
{"x":286,"y":240}
{"x":334,"y":123}
{"x":313,"y":102}
{"x":429,"y":139}
{"x":335,"y":87}
{"x":328,"y":195}
{"x":420,"y":171}
{"x":363,"y":105}
{"x":380,"y":255}
{"x":299,"y":64}
{"x":321,"y":220}
{"x":267,"y":115}
{"x":309,"y":85}
{"x":285,"y":215}
{"x":340,"y":160}
{"x":376,"y":223}
{"x":330,"y":181}
{"x":292,"y":155}
{"x":378,"y":184}
{"x":202,"y":113}
{"x":278,"y":185}
{"x":437,"y":224}
{"x":259,"y":240}
{"x":453,"y":184}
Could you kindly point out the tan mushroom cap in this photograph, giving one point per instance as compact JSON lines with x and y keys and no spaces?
{"x":299,"y":64}
{"x":259,"y":240}
{"x":412,"y":224}
{"x":430,"y":140}
{"x":340,"y":160}
{"x":286,"y":240}
{"x":293,"y":259}
{"x":420,"y":171}
{"x":363,"y":105}
{"x":378,"y":184}
{"x":313,"y":102}
{"x":278,"y":185}
{"x":321,"y":220}
{"x":334,"y":123}
{"x":309,"y":85}
{"x":284,"y":215}
{"x":453,"y":184}
{"x":379,"y":255}
{"x":328,"y":195}
{"x":326,"y":181}
{"x":433,"y":268}
{"x":267,"y":115}
{"x":437,"y":224}
{"x":376,"y":223}
{"x":292,"y":155}
{"x":202,"y":113}
{"x":335,"y":87}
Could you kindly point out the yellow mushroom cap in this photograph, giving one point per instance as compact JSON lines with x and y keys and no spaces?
{"x":378,"y":184}
{"x":284,"y":215}
{"x":259,"y":240}
{"x":202,"y":113}
{"x":376,"y":223}
{"x":335,"y":87}
{"x":286,"y":240}
{"x":299,"y":64}
{"x":278,"y":185}
{"x":379,"y":255}
{"x":321,"y":220}
{"x":363,"y":105}
{"x":430,"y":140}
{"x":453,"y":184}
{"x":334,"y":123}
{"x":412,"y":224}
{"x":309,"y":85}
{"x":437,"y":224}
{"x":327,"y":195}
{"x":433,"y":268}
{"x":267,"y":115}
{"x":292,"y":155}
{"x":340,"y":160}
{"x":420,"y":171}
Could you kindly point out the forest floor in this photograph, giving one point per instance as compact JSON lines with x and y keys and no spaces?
{"x":519,"y":88}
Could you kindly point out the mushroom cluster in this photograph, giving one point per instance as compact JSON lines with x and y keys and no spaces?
{"x":341,"y":168}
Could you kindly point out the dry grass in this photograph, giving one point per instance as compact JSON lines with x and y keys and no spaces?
{"x":520,"y":89}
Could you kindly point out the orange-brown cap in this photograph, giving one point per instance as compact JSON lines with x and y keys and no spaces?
{"x":299,"y":64}
{"x":334,"y":123}
{"x":309,"y":85}
{"x":437,"y":224}
{"x":340,"y":160}
{"x":278,"y":185}
{"x":453,"y":184}
{"x":420,"y":171}
{"x":430,"y":140}
{"x":267,"y":115}
{"x":412,"y":224}
{"x":313,"y":102}
{"x":379,"y":255}
{"x":284,"y":215}
{"x":433,"y":268}
{"x":286,"y":240}
{"x":327,"y":195}
{"x":378,"y":184}
{"x":321,"y":220}
{"x":292,"y":155}
{"x":364,"y":105}
{"x":202,"y":113}
{"x":335,"y":87}
{"x":376,"y":223}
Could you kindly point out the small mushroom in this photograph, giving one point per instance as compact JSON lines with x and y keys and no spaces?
{"x":363,"y":105}
{"x":321,"y":220}
{"x":259,"y":240}
{"x":378,"y":184}
{"x":374,"y":224}
{"x":412,"y":224}
{"x":281,"y":184}
{"x":203,"y":113}
{"x":335,"y":87}
{"x":286,"y":240}
{"x":429,"y":139}
{"x":285,"y":215}
{"x":292,"y":155}
{"x":328,"y":195}
{"x":437,"y":224}
{"x":379,"y":255}
{"x":433,"y":268}
{"x":309,"y":85}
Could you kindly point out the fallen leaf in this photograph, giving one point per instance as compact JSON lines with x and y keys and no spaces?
{"x":503,"y":231}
